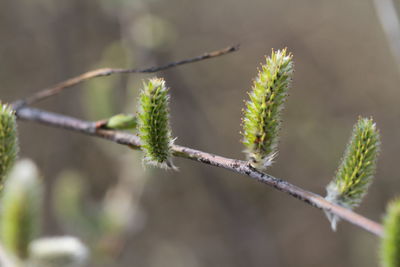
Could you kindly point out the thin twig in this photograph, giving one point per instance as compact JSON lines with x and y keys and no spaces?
{"x":238,"y":166}
{"x":45,"y":93}
{"x":389,"y":18}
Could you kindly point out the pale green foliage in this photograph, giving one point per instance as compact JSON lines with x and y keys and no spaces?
{"x":122,"y":122}
{"x":8,"y":141}
{"x":153,"y":121}
{"x":69,"y":191}
{"x":261,"y":122}
{"x":356,"y":169}
{"x":66,"y":251}
{"x":390,"y":247}
{"x":20,"y":214}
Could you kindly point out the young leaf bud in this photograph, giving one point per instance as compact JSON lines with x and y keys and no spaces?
{"x":122,"y":122}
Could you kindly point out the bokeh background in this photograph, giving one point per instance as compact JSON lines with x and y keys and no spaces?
{"x":201,"y":215}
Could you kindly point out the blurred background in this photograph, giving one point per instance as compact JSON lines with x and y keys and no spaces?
{"x":201,"y":215}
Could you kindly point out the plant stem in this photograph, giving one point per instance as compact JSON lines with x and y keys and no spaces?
{"x":56,"y":89}
{"x":238,"y":166}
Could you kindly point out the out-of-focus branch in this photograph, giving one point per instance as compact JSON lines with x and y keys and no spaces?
{"x":389,"y":19}
{"x":5,"y":259}
{"x":238,"y":166}
{"x":45,"y":93}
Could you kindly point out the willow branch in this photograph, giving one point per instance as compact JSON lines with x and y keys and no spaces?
{"x":56,"y":89}
{"x":389,"y":19}
{"x":238,"y":166}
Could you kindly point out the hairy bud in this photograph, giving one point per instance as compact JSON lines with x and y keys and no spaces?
{"x":153,"y":123}
{"x":261,"y":122}
{"x":8,"y":141}
{"x":357,"y":168}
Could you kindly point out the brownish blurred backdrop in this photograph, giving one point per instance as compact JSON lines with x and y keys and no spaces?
{"x":201,"y":215}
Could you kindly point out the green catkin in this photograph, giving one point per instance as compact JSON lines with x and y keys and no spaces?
{"x":357,"y":168}
{"x":390,"y":246}
{"x":153,"y":123}
{"x":8,"y":141}
{"x":261,"y":122}
{"x":20,"y":214}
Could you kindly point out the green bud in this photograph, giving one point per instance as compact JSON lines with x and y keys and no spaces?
{"x":356,"y":169}
{"x":122,"y":122}
{"x":261,"y":122}
{"x":8,"y":141}
{"x":390,"y":247}
{"x":20,"y":214}
{"x":153,"y":121}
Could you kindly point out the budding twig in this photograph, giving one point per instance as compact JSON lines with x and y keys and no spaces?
{"x":238,"y":166}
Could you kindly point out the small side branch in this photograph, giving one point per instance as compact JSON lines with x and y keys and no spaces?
{"x":389,"y":19}
{"x":238,"y":166}
{"x":56,"y":89}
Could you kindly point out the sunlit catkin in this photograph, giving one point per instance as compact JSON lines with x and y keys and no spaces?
{"x":356,"y":169}
{"x":261,"y":122}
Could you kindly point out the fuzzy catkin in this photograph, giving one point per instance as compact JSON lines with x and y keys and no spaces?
{"x":8,"y":141}
{"x":261,"y":122}
{"x":390,"y":246}
{"x":21,"y":202}
{"x":153,"y":123}
{"x":357,"y":168}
